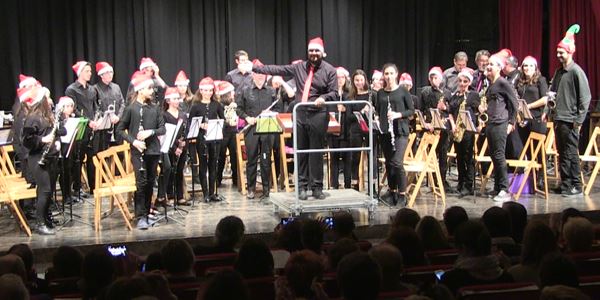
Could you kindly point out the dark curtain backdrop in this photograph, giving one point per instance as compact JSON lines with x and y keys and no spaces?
{"x":44,"y":38}
{"x":520,"y":25}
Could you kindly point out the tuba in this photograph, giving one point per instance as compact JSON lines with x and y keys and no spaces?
{"x":460,"y":123}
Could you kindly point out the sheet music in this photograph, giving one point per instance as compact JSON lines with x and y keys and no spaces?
{"x":214,"y":132}
{"x":436,"y":119}
{"x":5,"y":138}
{"x":104,"y":122}
{"x":468,"y":121}
{"x":166,"y":140}
{"x":194,"y":128}
{"x":70,"y":126}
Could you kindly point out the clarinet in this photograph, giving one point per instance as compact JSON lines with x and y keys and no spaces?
{"x":55,"y":126}
{"x":391,"y":126}
{"x":140,"y":129}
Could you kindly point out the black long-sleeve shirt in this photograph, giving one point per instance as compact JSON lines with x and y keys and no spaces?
{"x":502,"y":102}
{"x":239,"y":80}
{"x":34,"y":129}
{"x":152,"y":119}
{"x":208,"y":111}
{"x":471,"y":105}
{"x":400,"y":101}
{"x":110,"y":94}
{"x":533,"y":92}
{"x":85,"y":98}
{"x":324,"y":82}
{"x":429,"y":98}
{"x":253,"y":101}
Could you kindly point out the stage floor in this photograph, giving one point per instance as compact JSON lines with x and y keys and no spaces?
{"x":258,"y":216}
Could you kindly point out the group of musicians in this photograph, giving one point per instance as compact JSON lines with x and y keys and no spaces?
{"x":488,"y":96}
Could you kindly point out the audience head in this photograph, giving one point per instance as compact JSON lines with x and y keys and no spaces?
{"x":67,"y":262}
{"x":473,"y":239}
{"x":154,"y":261}
{"x":301,"y":269}
{"x":453,"y":217}
{"x":561,"y":292}
{"x":406,"y":217}
{"x":359,"y":277}
{"x":229,"y":231}
{"x":13,"y":264}
{"x":12,"y":287}
{"x":497,"y":222}
{"x":312,"y":235}
{"x":289,"y":237}
{"x":24,"y":252}
{"x":518,"y":219}
{"x":557,"y":268}
{"x":340,"y":249}
{"x":178,"y":258}
{"x":126,"y":288}
{"x":538,"y":241}
{"x":97,"y":271}
{"x":389,"y":260}
{"x":578,"y":233}
{"x":226,"y":285}
{"x":569,"y":213}
{"x":344,"y":225}
{"x":254,"y":259}
{"x":409,"y":244}
{"x":431,"y":234}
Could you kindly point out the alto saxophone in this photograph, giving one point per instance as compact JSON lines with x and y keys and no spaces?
{"x":483,"y":117}
{"x":460,"y":123}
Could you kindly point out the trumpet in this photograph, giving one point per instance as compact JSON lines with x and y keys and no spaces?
{"x":483,"y":117}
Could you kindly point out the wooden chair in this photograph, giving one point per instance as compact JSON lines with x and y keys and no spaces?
{"x":480,"y":159}
{"x":13,"y":189}
{"x":242,"y":159}
{"x":591,"y":156}
{"x":425,"y":163}
{"x":528,"y":161}
{"x":109,"y":185}
{"x":551,"y":152}
{"x":7,"y":167}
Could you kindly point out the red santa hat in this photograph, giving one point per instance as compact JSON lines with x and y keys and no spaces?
{"x":25,"y":80}
{"x":224,"y":87}
{"x":181,"y":79}
{"x":506,"y":53}
{"x":376,"y":75}
{"x":146,"y":62}
{"x":568,"y":42}
{"x":171,"y":93}
{"x":466,"y":74}
{"x":406,"y":79}
{"x":103,"y":67}
{"x":78,"y":66}
{"x":64,"y":101}
{"x":437,"y":71}
{"x":206,"y":83}
{"x":317,"y":43}
{"x":31,"y":94}
{"x":498,"y":59}
{"x":140,"y":80}
{"x":341,"y":71}
{"x":529,"y":60}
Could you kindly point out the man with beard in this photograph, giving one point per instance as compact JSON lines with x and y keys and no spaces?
{"x":316,"y":82}
{"x":479,"y":79}
{"x":572,"y":102}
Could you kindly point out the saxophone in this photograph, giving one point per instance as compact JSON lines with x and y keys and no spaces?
{"x":231,"y":117}
{"x":460,"y":123}
{"x":483,"y":117}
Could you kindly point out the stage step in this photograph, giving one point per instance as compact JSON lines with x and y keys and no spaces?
{"x":335,"y":200}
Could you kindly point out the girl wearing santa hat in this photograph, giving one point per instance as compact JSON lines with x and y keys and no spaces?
{"x":341,"y":140}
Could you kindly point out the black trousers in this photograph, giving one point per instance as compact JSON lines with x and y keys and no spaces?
{"x":442,"y":149}
{"x":144,"y":181}
{"x":258,"y":146}
{"x":208,"y":154}
{"x":394,"y":161}
{"x":171,"y":181}
{"x":496,"y":134}
{"x":228,"y":142}
{"x":193,"y":155}
{"x":45,"y":179}
{"x":312,"y":128}
{"x":567,"y":143}
{"x":465,"y":161}
{"x":337,"y":158}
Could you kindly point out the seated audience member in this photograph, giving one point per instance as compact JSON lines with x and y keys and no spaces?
{"x":254,"y":259}
{"x":498,"y":224}
{"x":561,"y":292}
{"x":453,"y":217}
{"x":475,"y":264}
{"x":343,"y":225}
{"x":97,"y":272}
{"x":158,"y":285}
{"x":435,"y":292}
{"x":538,"y":241}
{"x":578,"y":234}
{"x":12,"y":287}
{"x":66,"y":263}
{"x":13,"y":264}
{"x":312,"y":235}
{"x":409,"y":244}
{"x":178,"y":261}
{"x":228,"y":234}
{"x":359,"y":277}
{"x":24,"y":252}
{"x":339,"y":250}
{"x":405,"y":217}
{"x":557,"y":268}
{"x":302,"y":271}
{"x":389,"y":260}
{"x":126,"y":288}
{"x":226,"y":285}
{"x":153,"y":262}
{"x":431,"y":234}
{"x":518,"y":219}
{"x":289,"y":236}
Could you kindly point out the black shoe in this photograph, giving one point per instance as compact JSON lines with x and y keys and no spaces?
{"x":450,"y":190}
{"x":557,"y":190}
{"x":465,"y":192}
{"x":207,"y":199}
{"x":302,"y":195}
{"x":318,"y":194}
{"x":265,"y":194}
{"x":44,"y":230}
{"x":400,"y":200}
{"x":387,"y":197}
{"x":250,"y":195}
{"x":573,"y":192}
{"x":85,"y":194}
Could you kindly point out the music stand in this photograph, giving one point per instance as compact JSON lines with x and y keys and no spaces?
{"x":524,"y":110}
{"x":266,"y":123}
{"x":5,"y":137}
{"x":214,"y":136}
{"x":421,"y":119}
{"x":436,"y":119}
{"x":167,"y":141}
{"x":468,"y":121}
{"x":192,"y":134}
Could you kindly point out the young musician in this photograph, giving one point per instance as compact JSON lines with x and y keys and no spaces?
{"x":532,"y":87}
{"x":396,"y":104}
{"x":205,"y":105}
{"x":342,"y":140}
{"x":229,"y":132}
{"x":464,"y":145}
{"x":39,"y":132}
{"x":67,"y":106}
{"x":151,"y":69}
{"x":144,"y":123}
{"x":182,"y":83}
{"x":110,"y":98}
{"x":502,"y":110}
{"x":174,"y":161}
